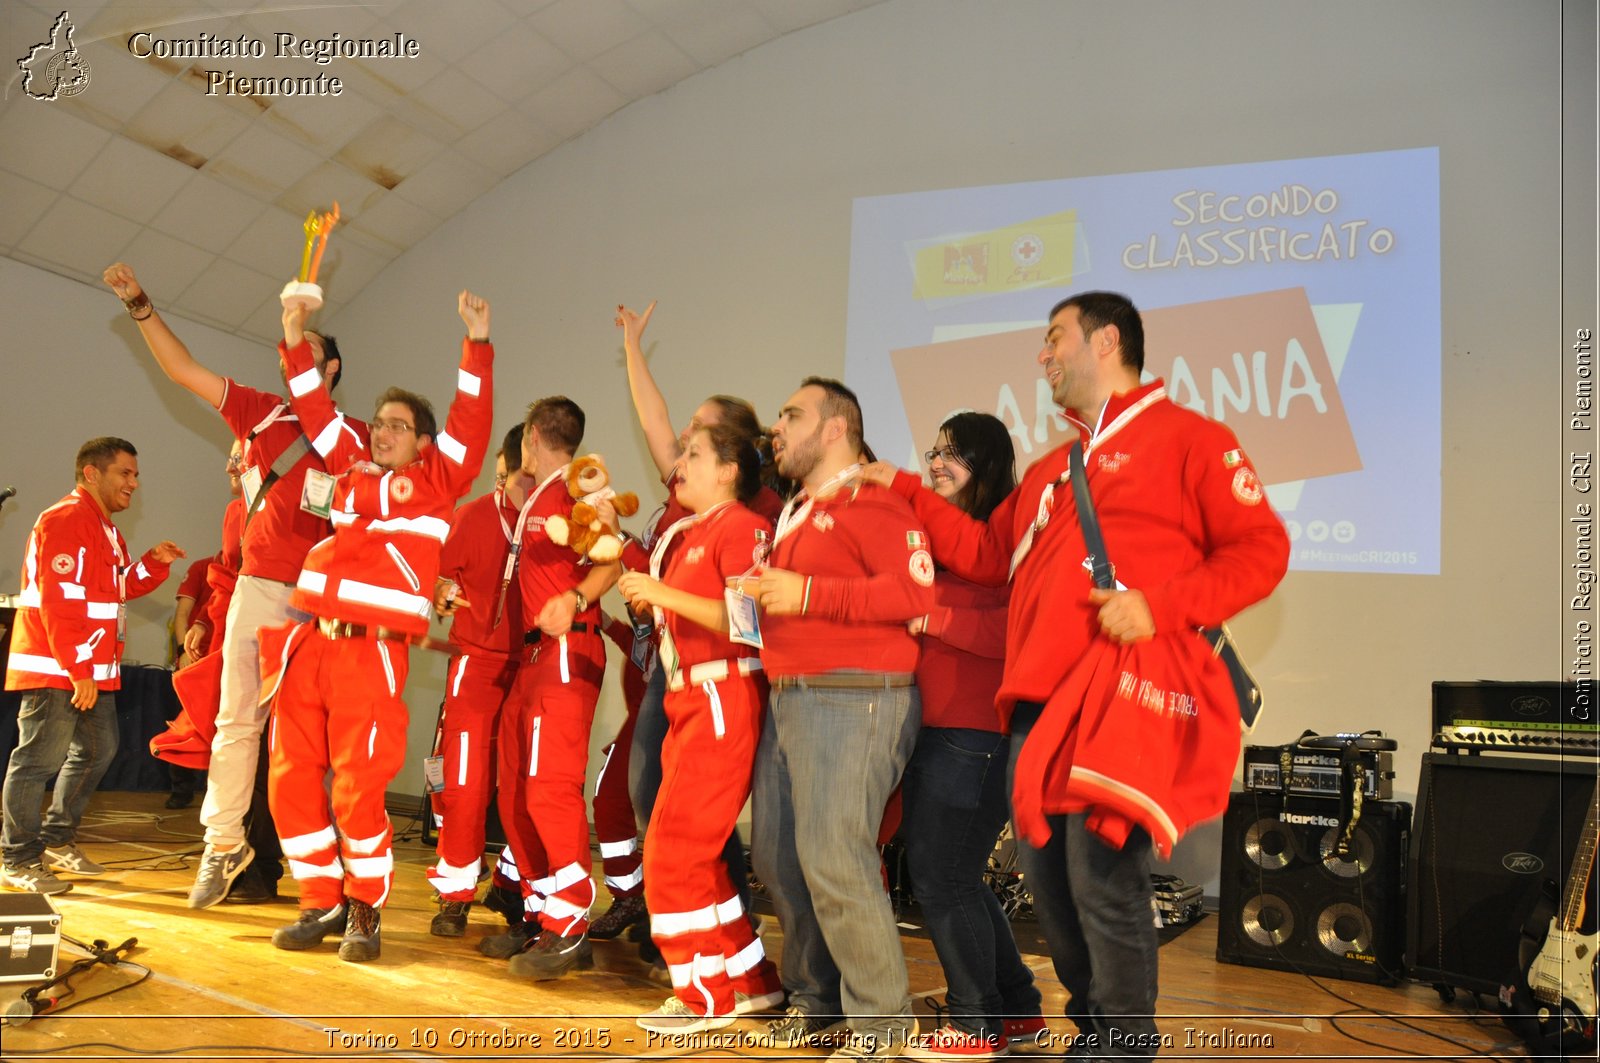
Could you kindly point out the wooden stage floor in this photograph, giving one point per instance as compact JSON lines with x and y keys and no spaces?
{"x":217,"y":989}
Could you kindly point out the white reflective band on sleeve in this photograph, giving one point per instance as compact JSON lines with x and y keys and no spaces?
{"x":328,"y":438}
{"x":140,"y":571}
{"x":315,"y":582}
{"x":625,"y":882}
{"x":305,"y":383}
{"x":612,"y":850}
{"x":451,"y":447}
{"x":306,"y":844}
{"x":370,"y":866}
{"x":746,"y":959}
{"x":430,"y":527}
{"x":671,"y":924}
{"x":468,"y":383}
{"x":102,"y":610}
{"x":365,"y":846}
{"x":302,"y":870}
{"x":367,"y":594}
{"x":72,"y":592}
{"x":39,"y":665}
{"x":29,"y":598}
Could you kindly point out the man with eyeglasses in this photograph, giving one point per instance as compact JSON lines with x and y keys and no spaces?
{"x":368,"y":591}
{"x":280,"y":527}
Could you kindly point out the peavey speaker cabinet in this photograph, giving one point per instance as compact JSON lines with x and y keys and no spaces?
{"x":1292,"y":903}
{"x":1491,"y":831}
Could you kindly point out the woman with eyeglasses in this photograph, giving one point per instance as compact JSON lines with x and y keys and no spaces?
{"x":954,"y":789}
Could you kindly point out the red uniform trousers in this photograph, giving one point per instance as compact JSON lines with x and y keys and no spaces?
{"x":338,"y":707}
{"x":544,"y":754}
{"x":476,"y":686}
{"x":696,"y":917}
{"x":615,"y":825}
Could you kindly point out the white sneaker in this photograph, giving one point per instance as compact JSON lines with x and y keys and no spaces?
{"x":674,"y":1016}
{"x":32,"y":878}
{"x":218,"y":869}
{"x":70,"y":858}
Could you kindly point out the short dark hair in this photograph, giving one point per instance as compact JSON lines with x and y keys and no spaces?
{"x":421,"y":410}
{"x":734,"y":447}
{"x":987,"y":450}
{"x":511,"y":448}
{"x":559,"y":420}
{"x":330,"y":352}
{"x":100,"y":452}
{"x":839,"y":401}
{"x":1096,"y":310}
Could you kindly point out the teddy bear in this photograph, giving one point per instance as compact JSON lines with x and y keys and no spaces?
{"x":589,"y":481}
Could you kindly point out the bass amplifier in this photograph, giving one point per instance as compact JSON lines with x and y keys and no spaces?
{"x":1314,"y":773}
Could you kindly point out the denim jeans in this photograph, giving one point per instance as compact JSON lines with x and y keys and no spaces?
{"x":955,"y":803}
{"x":827,"y":763}
{"x":1093,"y":904}
{"x":54,"y":737}
{"x":644,"y":777}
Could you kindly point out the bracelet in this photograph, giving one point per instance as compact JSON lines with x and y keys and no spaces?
{"x":139,"y":302}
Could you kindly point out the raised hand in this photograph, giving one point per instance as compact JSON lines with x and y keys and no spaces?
{"x":474,"y":310}
{"x":119,"y":275}
{"x":633,"y":324}
{"x":295,"y":314}
{"x":167,"y":551}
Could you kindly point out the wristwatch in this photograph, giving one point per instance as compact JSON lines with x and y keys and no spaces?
{"x":583,"y":603}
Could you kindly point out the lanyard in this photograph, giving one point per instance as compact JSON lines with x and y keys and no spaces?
{"x":516,"y":539}
{"x":798,"y":508}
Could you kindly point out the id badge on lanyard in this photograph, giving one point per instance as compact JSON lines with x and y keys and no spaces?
{"x":316,"y":496}
{"x":250,"y":485}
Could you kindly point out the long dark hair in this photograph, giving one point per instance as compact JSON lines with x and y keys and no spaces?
{"x":985,"y":447}
{"x":733,"y":447}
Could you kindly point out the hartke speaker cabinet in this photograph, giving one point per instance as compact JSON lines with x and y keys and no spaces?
{"x":1289,"y":902}
{"x":1489,"y":832}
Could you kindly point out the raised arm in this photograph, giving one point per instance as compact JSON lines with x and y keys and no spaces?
{"x":320,"y":419}
{"x":648,"y":402}
{"x":171,"y":355}
{"x":468,"y":426}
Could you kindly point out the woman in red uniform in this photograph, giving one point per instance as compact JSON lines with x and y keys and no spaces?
{"x":715,"y":700}
{"x":954,"y":789}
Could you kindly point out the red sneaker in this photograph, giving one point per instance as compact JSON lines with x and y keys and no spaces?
{"x":951,"y":1042}
{"x":1028,"y":1036}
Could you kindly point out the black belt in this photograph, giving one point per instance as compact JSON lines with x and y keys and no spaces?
{"x":342,"y":629}
{"x":845,"y":681}
{"x":535,"y":634}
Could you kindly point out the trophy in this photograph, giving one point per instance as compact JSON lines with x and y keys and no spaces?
{"x":304,"y":290}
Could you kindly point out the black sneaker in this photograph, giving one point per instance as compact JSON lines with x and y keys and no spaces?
{"x":513,"y":941}
{"x":506,"y":900}
{"x":363,"y":934}
{"x":313,"y":925}
{"x":624,"y":912}
{"x":451,"y":922}
{"x":551,"y":956}
{"x":251,"y":887}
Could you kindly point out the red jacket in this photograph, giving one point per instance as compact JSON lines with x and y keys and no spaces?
{"x":379,"y":565}
{"x":76,"y":576}
{"x":1184,"y":518}
{"x":865,"y":555}
{"x":474,"y":556}
{"x":963,"y":651}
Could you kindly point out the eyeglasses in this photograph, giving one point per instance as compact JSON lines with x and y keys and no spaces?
{"x":399,"y":428}
{"x":948,"y":455}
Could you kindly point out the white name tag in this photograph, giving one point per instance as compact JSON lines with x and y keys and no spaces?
{"x":316,"y":497}
{"x":432,"y":775}
{"x":250,"y":485}
{"x":744,"y":624}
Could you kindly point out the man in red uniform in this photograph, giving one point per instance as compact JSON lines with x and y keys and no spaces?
{"x":1184,"y":518}
{"x":477,"y":590}
{"x":279,"y":530}
{"x":848,"y":569}
{"x":544,"y":728}
{"x":66,"y":657}
{"x":368,"y":589}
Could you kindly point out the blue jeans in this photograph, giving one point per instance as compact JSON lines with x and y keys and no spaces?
{"x":54,"y":741}
{"x":644,"y":777}
{"x":828,"y":761}
{"x":1093,"y":904}
{"x":955,"y":803}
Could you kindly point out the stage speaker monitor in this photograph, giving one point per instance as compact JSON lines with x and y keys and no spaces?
{"x":1490,"y":831}
{"x":1290,"y":902}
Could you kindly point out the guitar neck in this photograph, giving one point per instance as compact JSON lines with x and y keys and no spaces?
{"x":1577,"y":889}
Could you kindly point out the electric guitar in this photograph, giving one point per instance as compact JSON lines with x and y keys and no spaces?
{"x":1562,"y":976}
